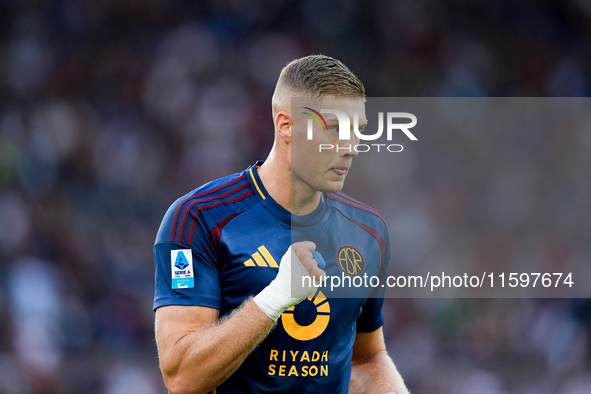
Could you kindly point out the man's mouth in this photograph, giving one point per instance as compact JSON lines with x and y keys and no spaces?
{"x":340,"y":171}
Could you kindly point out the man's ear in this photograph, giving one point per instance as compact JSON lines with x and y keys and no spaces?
{"x":283,"y":125}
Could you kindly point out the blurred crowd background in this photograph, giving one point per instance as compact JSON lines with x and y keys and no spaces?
{"x":111,"y":109}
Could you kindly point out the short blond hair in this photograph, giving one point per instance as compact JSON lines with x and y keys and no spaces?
{"x":320,"y":75}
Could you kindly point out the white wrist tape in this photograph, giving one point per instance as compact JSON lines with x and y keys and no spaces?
{"x":286,"y":289}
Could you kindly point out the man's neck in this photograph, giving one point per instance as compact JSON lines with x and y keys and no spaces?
{"x":304,"y":200}
{"x":276,"y":177}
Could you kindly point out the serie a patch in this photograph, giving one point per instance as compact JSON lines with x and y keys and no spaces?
{"x":181,"y":262}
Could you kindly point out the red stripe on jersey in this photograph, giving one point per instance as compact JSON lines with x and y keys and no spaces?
{"x":216,"y":232}
{"x":187,"y":210}
{"x":198,"y":195}
{"x":349,"y":198}
{"x":350,"y":202}
{"x":212,"y":205}
{"x":374,"y":234}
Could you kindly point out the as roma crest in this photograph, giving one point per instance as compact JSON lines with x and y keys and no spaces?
{"x":350,"y":260}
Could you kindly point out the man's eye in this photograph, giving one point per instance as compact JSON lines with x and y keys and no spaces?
{"x":334,"y":128}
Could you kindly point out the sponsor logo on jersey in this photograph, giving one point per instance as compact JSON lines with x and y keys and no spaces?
{"x":181,"y":264}
{"x":350,"y":260}
{"x":308,"y":319}
{"x":303,"y":322}
{"x":298,"y":363}
{"x":262,"y":258}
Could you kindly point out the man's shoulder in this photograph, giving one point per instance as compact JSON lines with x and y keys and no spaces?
{"x":355,"y":210}
{"x":216,"y":187}
{"x":215,"y":190}
{"x":218,"y":199}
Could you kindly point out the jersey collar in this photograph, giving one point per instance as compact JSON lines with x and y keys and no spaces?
{"x":277,"y":210}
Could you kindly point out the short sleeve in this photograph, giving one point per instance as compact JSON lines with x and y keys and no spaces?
{"x":205,"y":290}
{"x":371,"y":317}
{"x":197,"y":287}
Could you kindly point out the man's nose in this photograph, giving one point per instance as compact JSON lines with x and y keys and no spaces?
{"x":347,"y":147}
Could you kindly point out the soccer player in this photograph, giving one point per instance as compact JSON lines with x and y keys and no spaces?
{"x":232,"y":312}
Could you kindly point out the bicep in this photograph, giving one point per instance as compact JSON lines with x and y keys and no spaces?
{"x":367,"y":344}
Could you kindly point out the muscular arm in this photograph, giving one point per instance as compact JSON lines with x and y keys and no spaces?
{"x":197,"y":352}
{"x":372,"y":370}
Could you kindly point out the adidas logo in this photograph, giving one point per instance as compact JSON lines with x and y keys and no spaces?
{"x":262,"y":258}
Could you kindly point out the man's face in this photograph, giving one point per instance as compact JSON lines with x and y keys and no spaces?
{"x":323,"y":170}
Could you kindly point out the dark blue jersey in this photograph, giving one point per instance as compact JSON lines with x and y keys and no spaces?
{"x":223,"y":242}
